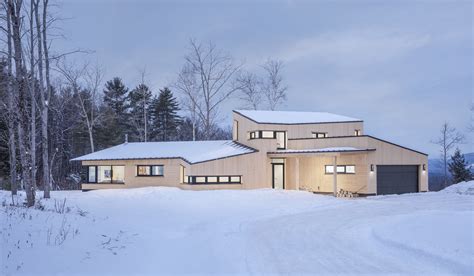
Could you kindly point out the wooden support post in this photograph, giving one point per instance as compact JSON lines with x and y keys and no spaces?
{"x":297,"y":173}
{"x":334,"y":175}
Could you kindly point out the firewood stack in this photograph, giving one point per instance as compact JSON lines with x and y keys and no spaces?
{"x":343,"y":193}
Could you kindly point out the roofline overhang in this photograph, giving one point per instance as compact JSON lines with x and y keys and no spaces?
{"x":286,"y":124}
{"x":369,"y":136}
{"x":314,"y":153}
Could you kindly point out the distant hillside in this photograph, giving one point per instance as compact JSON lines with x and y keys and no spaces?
{"x":435,"y":170}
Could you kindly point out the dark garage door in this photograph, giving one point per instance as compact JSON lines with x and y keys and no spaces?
{"x":397,"y":179}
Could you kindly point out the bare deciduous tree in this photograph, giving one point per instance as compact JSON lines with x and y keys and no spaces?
{"x":249,"y":86}
{"x":273,"y":86}
{"x":447,"y":140}
{"x":188,"y":86}
{"x":213,"y":71}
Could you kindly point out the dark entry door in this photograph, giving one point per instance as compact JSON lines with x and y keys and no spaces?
{"x":278,"y":172}
{"x":397,"y":179}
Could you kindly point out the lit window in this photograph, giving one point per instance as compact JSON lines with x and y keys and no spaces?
{"x":235,"y":179}
{"x":212,"y":179}
{"x":224,"y":179}
{"x":143,"y":170}
{"x":118,"y":174}
{"x":200,"y":179}
{"x":104,"y":174}
{"x":92,"y":176}
{"x":350,"y":169}
{"x":268,"y":134}
{"x":341,"y":169}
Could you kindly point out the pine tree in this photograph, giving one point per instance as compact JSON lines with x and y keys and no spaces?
{"x":458,"y":168}
{"x":140,"y":99}
{"x":115,"y":122}
{"x":164,"y":113}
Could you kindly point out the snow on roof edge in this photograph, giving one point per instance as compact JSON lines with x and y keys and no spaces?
{"x":294,"y":117}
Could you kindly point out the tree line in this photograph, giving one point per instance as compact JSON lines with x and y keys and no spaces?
{"x":52,"y":110}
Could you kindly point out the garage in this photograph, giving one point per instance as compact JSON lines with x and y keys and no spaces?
{"x":397,"y":179}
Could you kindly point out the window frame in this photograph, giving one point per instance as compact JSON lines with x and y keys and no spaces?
{"x":357,"y":132}
{"x":316,"y":134}
{"x":111,"y":174}
{"x":228,"y":179}
{"x":150,"y":168}
{"x":235,"y":131}
{"x":339,"y":166}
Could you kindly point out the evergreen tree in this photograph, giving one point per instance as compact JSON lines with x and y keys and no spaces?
{"x":115,"y":96}
{"x":164,"y":113}
{"x":458,"y":168}
{"x":140,"y":99}
{"x":115,"y":122}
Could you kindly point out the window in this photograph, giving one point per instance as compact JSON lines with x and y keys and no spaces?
{"x":182,"y":174}
{"x":106,"y":174}
{"x":236,"y":179}
{"x":281,"y":139}
{"x":235,"y":131}
{"x":143,"y":170}
{"x":150,"y":170}
{"x":350,"y":169}
{"x":118,"y":174}
{"x":212,"y":179}
{"x":157,"y":170}
{"x":268,"y":134}
{"x":92,"y":174}
{"x":341,"y":169}
{"x":319,"y":134}
{"x":357,"y":132}
{"x":224,"y":179}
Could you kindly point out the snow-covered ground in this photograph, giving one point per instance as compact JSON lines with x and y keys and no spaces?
{"x":167,"y":230}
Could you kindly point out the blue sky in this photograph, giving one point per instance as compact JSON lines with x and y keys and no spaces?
{"x":404,"y":67}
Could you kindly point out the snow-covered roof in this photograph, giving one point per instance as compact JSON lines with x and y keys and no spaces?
{"x":322,"y":150}
{"x":294,"y":117}
{"x":191,"y":151}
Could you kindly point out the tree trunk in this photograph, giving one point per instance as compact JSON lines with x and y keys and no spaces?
{"x":45,"y":94}
{"x":32,"y":87}
{"x":11,"y":104}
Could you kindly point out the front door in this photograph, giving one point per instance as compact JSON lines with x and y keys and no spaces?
{"x":278,"y":171}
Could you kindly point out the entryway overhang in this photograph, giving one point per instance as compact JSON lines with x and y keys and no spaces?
{"x":329,"y":152}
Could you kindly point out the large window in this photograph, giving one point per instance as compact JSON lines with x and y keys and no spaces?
{"x":106,"y":174}
{"x":150,"y":170}
{"x":319,"y":134}
{"x":281,"y":139}
{"x":232,"y":179}
{"x":341,"y":169}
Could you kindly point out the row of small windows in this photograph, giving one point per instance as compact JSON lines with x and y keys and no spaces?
{"x":341,"y":169}
{"x":231,"y":179}
{"x":263,"y":134}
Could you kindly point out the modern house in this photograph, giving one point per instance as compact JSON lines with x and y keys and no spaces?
{"x":313,"y":151}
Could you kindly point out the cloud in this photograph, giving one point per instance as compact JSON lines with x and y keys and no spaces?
{"x":354,"y":48}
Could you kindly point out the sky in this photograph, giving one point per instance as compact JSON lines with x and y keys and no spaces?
{"x":404,"y":67}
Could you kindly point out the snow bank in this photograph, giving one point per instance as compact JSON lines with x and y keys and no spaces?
{"x":161,"y":230}
{"x":463,"y":188}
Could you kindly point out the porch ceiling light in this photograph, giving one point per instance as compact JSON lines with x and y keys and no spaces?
{"x":371,"y":167}
{"x":424,"y":167}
